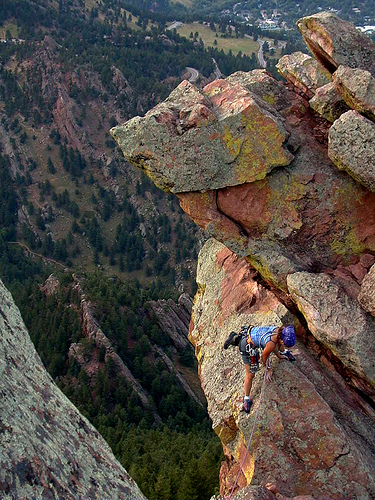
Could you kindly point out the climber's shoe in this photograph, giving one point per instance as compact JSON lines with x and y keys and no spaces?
{"x":231,"y":340}
{"x":289,"y":355}
{"x":247,"y":405}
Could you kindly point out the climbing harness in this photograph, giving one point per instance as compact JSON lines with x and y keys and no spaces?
{"x":253,"y":352}
{"x":252,"y":431}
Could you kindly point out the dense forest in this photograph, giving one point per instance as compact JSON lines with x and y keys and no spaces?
{"x":166,"y":459}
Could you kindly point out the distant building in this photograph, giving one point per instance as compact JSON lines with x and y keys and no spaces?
{"x":366,"y":29}
{"x":268,"y":24}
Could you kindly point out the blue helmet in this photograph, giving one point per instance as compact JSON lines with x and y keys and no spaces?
{"x":288,"y":336}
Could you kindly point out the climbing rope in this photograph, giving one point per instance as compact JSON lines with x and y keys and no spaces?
{"x":252,"y":432}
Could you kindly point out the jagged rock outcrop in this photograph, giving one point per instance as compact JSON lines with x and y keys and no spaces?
{"x":312,"y":438}
{"x":174,"y":318}
{"x":50,"y":286}
{"x":92,"y":331}
{"x":304,"y":225}
{"x":357,"y":88}
{"x":215,"y":133}
{"x":336,"y":42}
{"x":48,"y":449}
{"x":337,"y":320}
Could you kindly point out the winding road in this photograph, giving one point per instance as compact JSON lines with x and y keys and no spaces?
{"x":262,"y":61}
{"x":194,"y":74}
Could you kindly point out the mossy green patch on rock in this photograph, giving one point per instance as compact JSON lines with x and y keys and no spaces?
{"x":200,"y":141}
{"x":270,"y":98}
{"x":227,"y":430}
{"x":349,"y":245}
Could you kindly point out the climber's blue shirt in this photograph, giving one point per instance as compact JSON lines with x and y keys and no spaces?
{"x":260,"y":335}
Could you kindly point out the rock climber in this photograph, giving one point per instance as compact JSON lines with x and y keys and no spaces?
{"x":268,"y":338}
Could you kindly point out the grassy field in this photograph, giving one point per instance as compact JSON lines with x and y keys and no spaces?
{"x":245,"y":45}
{"x":11,"y":27}
{"x":187,"y":3}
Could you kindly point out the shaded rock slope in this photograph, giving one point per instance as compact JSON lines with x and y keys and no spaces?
{"x":48,"y":449}
{"x":282,"y":177}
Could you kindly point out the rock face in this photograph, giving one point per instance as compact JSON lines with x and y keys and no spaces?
{"x":328,"y":102}
{"x":174,"y":318}
{"x":289,"y":195}
{"x":49,"y":450}
{"x":336,"y":320}
{"x":352,"y":147}
{"x":216,"y":134}
{"x":366,"y":296}
{"x":357,"y":88}
{"x":311,"y":437}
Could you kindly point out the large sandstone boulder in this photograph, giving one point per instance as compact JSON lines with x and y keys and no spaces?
{"x":334,"y":42}
{"x":196,"y":141}
{"x":304,"y":72}
{"x":328,"y":102}
{"x":352,"y":147}
{"x":48,"y":449}
{"x":262,"y":84}
{"x":311,"y":436}
{"x":270,"y":220}
{"x":357,"y":87}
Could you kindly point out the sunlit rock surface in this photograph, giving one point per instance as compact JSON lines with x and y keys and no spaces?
{"x":48,"y":449}
{"x":304,"y":72}
{"x":195,"y":141}
{"x":311,"y":438}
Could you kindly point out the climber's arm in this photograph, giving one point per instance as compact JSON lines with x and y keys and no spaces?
{"x":270,"y":346}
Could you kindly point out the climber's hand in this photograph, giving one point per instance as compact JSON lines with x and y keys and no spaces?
{"x":273,"y":488}
{"x":269,"y":375}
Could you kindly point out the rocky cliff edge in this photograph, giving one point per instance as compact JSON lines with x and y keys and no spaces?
{"x":48,"y":449}
{"x":282,"y":176}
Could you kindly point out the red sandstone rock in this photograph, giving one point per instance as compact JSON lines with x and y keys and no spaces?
{"x":307,"y":436}
{"x":199,"y":141}
{"x":303,"y":218}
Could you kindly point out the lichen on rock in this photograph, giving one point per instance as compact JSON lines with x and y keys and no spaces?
{"x":334,"y":41}
{"x":357,"y":88}
{"x":351,"y":147}
{"x":199,"y":141}
{"x":304,"y":72}
{"x":308,"y":425}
